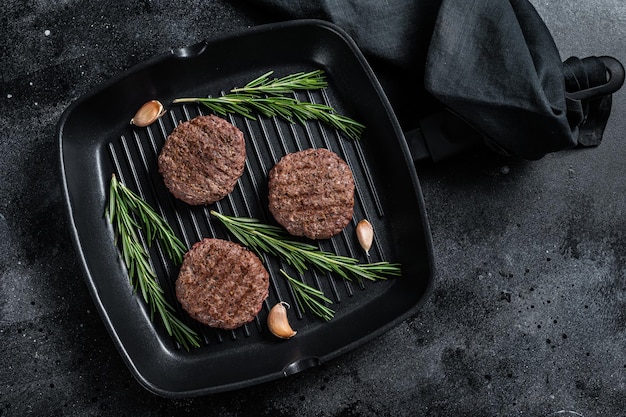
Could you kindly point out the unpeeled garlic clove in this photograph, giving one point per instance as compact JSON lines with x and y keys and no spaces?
{"x":148,"y":113}
{"x":365,"y":235}
{"x":278,"y":323}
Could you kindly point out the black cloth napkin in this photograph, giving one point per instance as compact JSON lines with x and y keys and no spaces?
{"x":491,"y":67}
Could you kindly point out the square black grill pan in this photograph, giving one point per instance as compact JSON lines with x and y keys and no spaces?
{"x":96,"y":140}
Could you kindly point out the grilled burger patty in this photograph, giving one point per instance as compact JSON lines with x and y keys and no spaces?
{"x":202,"y":159}
{"x":221,"y":283}
{"x":311,"y":193}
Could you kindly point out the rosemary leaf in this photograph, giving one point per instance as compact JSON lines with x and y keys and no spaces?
{"x":267,"y":97}
{"x":313,"y":80}
{"x":309,"y":298}
{"x":123,"y":210}
{"x":275,"y":241}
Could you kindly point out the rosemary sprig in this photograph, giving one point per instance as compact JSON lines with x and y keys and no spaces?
{"x":267,"y":98}
{"x":310,"y":298}
{"x":313,"y":80}
{"x":128,"y":213}
{"x":153,"y":224}
{"x":287,"y":108}
{"x":274,"y":240}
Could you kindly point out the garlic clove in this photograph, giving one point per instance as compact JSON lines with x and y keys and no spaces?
{"x":365,"y":235}
{"x":278,"y":323}
{"x":148,"y":113}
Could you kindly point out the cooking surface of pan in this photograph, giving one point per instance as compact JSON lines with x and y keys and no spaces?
{"x":96,"y":141}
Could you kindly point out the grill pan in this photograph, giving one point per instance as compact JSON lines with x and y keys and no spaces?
{"x":96,"y":140}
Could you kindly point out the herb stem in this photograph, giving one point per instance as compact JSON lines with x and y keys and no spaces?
{"x":128,"y":214}
{"x":274,"y":240}
{"x":267,"y":97}
{"x":313,"y":80}
{"x":309,"y":298}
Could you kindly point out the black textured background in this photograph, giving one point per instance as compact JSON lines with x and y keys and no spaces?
{"x":528,"y":313}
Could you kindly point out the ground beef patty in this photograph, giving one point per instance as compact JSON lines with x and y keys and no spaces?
{"x":311,"y":193}
{"x":202,"y":159}
{"x":222,"y":284}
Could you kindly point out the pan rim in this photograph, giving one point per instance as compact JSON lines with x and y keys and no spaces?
{"x":74,"y":231}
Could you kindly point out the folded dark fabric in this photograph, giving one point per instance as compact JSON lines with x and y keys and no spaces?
{"x":493,"y":65}
{"x":393,"y":35}
{"x":393,"y":31}
{"x":496,"y":66}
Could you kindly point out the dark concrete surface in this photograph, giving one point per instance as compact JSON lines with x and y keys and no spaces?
{"x":528,"y":313}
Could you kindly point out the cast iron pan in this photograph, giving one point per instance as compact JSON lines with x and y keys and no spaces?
{"x":96,"y":140}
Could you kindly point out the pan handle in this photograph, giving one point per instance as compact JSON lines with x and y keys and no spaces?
{"x":441,"y":136}
{"x":615,"y":79}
